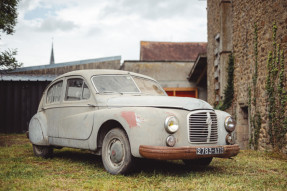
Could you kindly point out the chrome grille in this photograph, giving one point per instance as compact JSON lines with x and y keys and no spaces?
{"x":203,"y":127}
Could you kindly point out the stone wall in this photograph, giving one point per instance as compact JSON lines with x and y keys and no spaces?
{"x":244,"y":15}
{"x":169,"y":74}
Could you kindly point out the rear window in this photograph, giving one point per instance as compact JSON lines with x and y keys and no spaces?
{"x":54,"y":93}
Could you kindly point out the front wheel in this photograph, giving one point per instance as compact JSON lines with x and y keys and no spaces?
{"x":42,"y":151}
{"x":116,"y":152}
{"x":201,"y":162}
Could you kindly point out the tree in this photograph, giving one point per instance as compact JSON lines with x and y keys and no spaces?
{"x":8,"y":60}
{"x":8,"y":20}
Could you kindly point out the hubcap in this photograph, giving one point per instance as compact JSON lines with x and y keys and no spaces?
{"x":39,"y":149}
{"x":116,"y":152}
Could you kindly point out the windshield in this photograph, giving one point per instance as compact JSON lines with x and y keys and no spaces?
{"x":115,"y":83}
{"x":148,"y":86}
{"x":126,"y":84}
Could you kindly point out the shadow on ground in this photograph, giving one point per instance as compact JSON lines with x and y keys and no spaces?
{"x":169,"y":167}
{"x":146,"y":166}
{"x":79,"y":157}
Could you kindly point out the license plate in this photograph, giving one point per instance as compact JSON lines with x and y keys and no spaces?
{"x":209,"y":151}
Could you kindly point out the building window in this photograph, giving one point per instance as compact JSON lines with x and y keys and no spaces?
{"x":182,"y":92}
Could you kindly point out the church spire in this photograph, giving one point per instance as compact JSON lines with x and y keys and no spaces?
{"x":52,"y":61}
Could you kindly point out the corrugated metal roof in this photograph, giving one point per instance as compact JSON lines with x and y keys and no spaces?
{"x":171,"y":51}
{"x":57,"y":65}
{"x":26,"y":77}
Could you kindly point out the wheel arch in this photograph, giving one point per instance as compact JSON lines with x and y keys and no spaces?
{"x":105,"y":128}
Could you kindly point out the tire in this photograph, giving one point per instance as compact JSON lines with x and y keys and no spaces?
{"x":116,"y":152}
{"x":42,"y":151}
{"x":201,"y":162}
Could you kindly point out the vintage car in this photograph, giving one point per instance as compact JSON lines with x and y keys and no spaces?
{"x":121,"y":115}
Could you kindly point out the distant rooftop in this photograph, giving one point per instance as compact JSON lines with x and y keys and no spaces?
{"x":171,"y":51}
{"x":26,"y":77}
{"x":57,"y":65}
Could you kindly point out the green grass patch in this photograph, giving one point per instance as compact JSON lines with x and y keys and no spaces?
{"x":72,"y":169}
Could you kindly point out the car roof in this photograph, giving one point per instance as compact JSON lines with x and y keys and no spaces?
{"x":91,"y":72}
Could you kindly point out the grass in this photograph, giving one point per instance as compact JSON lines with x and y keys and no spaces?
{"x":72,"y":169}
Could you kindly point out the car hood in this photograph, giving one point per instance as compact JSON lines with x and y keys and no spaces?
{"x":158,"y":101}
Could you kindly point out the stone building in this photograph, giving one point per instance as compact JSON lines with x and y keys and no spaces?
{"x":170,"y":63}
{"x":245,"y":28}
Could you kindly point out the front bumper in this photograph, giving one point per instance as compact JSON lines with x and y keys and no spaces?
{"x":177,"y":153}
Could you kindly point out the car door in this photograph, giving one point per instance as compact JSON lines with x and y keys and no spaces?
{"x":52,"y":107}
{"x":76,"y":110}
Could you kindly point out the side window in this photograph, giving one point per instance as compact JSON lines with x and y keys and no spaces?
{"x":77,"y":90}
{"x":54,"y":93}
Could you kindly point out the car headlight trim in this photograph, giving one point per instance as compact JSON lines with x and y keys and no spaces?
{"x":170,"y":141}
{"x":171,"y":124}
{"x":229,"y":139}
{"x":229,"y":124}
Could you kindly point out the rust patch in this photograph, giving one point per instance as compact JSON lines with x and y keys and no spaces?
{"x":130,"y":117}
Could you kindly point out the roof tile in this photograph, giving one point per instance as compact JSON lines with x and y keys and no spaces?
{"x":171,"y":51}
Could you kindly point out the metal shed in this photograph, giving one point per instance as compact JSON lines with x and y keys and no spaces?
{"x":19,"y":99}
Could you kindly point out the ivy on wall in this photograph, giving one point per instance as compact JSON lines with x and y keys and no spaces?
{"x":255,"y":119}
{"x":229,"y":89}
{"x":276,"y":94}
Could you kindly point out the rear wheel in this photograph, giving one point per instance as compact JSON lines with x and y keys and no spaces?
{"x":201,"y":162}
{"x":42,"y":151}
{"x":116,"y":152}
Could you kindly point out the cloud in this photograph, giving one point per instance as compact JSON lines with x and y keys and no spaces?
{"x":99,"y":28}
{"x":55,"y":24}
{"x":94,"y":30}
{"x":27,"y":5}
{"x":153,"y":9}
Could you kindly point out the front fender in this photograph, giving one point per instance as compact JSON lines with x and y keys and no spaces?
{"x":38,"y":133}
{"x":143,"y":125}
{"x":222,"y":133}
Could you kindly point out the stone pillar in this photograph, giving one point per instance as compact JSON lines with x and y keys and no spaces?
{"x":225,"y":45}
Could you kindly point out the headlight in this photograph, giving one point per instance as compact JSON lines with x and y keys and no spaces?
{"x":229,"y":124}
{"x":171,"y":124}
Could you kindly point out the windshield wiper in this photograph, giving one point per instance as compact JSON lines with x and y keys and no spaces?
{"x":144,"y":93}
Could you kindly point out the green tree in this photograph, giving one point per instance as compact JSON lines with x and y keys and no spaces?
{"x":8,"y":20}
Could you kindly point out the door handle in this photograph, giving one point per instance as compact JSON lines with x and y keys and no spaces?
{"x":91,"y":105}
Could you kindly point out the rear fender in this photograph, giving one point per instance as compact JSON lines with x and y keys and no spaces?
{"x":38,"y":130}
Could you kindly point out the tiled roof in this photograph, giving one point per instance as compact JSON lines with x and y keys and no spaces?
{"x":171,"y":51}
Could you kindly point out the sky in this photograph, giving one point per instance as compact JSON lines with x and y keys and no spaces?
{"x":87,"y":29}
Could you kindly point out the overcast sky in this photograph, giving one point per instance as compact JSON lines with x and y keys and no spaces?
{"x":90,"y":29}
